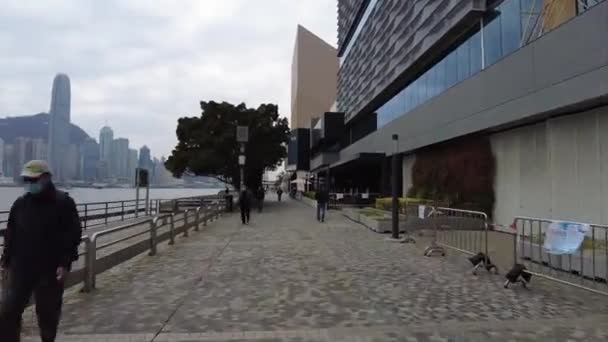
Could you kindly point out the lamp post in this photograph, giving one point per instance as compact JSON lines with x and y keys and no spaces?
{"x":242,"y":136}
{"x":395,"y":188}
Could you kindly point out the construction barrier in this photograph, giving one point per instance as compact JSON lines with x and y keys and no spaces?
{"x":570,"y":253}
{"x":465,"y":231}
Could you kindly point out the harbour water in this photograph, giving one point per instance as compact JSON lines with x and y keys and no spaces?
{"x":87,"y":195}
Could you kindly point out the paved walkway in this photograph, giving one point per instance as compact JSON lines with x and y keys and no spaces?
{"x":288,"y":278}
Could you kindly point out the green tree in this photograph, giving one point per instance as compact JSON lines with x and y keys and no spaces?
{"x":207,"y":144}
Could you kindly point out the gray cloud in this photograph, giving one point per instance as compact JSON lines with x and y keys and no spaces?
{"x":141,"y":64}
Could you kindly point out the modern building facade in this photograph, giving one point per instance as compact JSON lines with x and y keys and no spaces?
{"x":106,"y":136}
{"x":120,"y":158}
{"x":314,"y":73}
{"x":132,"y":165}
{"x":89,"y":152}
{"x":145,"y":160}
{"x":59,"y":125}
{"x":527,"y":77}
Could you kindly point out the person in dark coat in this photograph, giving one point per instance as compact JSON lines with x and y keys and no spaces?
{"x":279,"y":193}
{"x":245,"y":199}
{"x":322,"y":198}
{"x":260,"y":194}
{"x":41,"y":242}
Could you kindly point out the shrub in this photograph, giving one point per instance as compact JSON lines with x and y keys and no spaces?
{"x":459,"y":172}
{"x":310,"y":194}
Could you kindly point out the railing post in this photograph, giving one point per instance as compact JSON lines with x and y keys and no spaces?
{"x":217,"y":211}
{"x":106,"y":215}
{"x":90,"y":256}
{"x":153,"y":227}
{"x":86,"y":216}
{"x":205,"y":215}
{"x":197,"y":219}
{"x":172,"y":229}
{"x":186,"y":223}
{"x":122,"y":210}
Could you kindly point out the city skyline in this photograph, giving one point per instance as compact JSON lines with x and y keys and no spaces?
{"x":112,"y":159}
{"x":140,"y":80}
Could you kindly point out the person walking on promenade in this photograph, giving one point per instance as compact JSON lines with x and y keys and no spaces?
{"x":322,"y":198}
{"x":261,"y":193}
{"x":42,"y":237}
{"x":279,"y":193}
{"x":245,"y":199}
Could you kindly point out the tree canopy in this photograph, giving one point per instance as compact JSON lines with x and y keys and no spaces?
{"x":207,"y":144}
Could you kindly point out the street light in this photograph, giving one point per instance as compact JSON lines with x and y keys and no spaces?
{"x":395,"y":190}
{"x":242,"y":136}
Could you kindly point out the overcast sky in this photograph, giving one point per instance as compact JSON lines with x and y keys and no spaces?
{"x":141,"y":64}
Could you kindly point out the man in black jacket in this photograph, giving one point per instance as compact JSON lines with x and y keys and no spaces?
{"x":322,"y":197}
{"x":41,"y":242}
{"x":245,"y":199}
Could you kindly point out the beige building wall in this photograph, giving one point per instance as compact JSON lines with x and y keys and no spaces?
{"x":314,"y":73}
{"x":557,"y":169}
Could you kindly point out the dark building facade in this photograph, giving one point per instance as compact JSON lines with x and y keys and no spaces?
{"x":527,"y":76}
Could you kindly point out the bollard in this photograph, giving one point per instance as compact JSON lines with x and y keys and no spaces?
{"x":205,"y":215}
{"x":196,"y":219}
{"x":171,"y":229}
{"x":90,"y":256}
{"x":186,"y":223}
{"x":153,"y":227}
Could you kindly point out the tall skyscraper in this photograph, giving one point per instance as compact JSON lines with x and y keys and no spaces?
{"x":9,"y":160}
{"x":59,"y":125}
{"x":132,"y":165}
{"x":120,"y":158}
{"x":145,"y":162}
{"x":89,"y":154}
{"x":39,"y":149}
{"x":1,"y":157}
{"x":23,"y":154}
{"x":71,"y":167}
{"x":106,"y":136}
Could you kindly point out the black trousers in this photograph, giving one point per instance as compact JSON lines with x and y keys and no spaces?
{"x":245,"y":211}
{"x":48,"y":294}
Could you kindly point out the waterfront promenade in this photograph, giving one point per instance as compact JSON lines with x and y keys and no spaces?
{"x":286,"y":277}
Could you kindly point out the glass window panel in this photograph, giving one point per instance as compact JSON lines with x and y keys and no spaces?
{"x":492,"y":40}
{"x":451,"y":70}
{"x":406,"y":100}
{"x":530,"y":10}
{"x":510,"y":26}
{"x":423,"y":88}
{"x":441,"y":75}
{"x":415,"y":93}
{"x":430,"y":83}
{"x":475,"y":52}
{"x":464,"y":62}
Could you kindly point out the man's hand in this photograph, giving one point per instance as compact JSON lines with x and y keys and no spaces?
{"x":61,"y":273}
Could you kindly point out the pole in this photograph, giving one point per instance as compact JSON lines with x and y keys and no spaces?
{"x":148,"y":198}
{"x":136,"y":192}
{"x":395,"y":190}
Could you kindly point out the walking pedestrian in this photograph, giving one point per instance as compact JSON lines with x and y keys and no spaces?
{"x":245,"y":199}
{"x":42,"y":237}
{"x":279,"y":193}
{"x":322,"y":198}
{"x":261,"y":193}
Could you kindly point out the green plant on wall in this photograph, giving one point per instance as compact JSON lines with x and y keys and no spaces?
{"x":459,"y":172}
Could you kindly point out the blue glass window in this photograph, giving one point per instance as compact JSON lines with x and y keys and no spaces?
{"x":464,"y":61}
{"x":510,"y":19}
{"x":451,"y":70}
{"x":475,"y":52}
{"x":492,"y":40}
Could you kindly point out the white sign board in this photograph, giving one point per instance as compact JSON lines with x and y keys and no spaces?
{"x":564,"y":237}
{"x":421,"y":209}
{"x":242,"y":134}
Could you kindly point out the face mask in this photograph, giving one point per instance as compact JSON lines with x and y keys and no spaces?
{"x":32,"y":188}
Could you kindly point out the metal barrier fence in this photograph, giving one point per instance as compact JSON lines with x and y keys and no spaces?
{"x":102,"y":251}
{"x":587,"y":268}
{"x":465,"y":231}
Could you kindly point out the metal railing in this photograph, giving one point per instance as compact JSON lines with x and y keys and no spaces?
{"x":587,"y":268}
{"x":465,"y":231}
{"x":107,"y":248}
{"x":175,"y":223}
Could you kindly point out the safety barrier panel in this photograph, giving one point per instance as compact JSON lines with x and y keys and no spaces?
{"x":465,"y":231}
{"x":585,"y":267}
